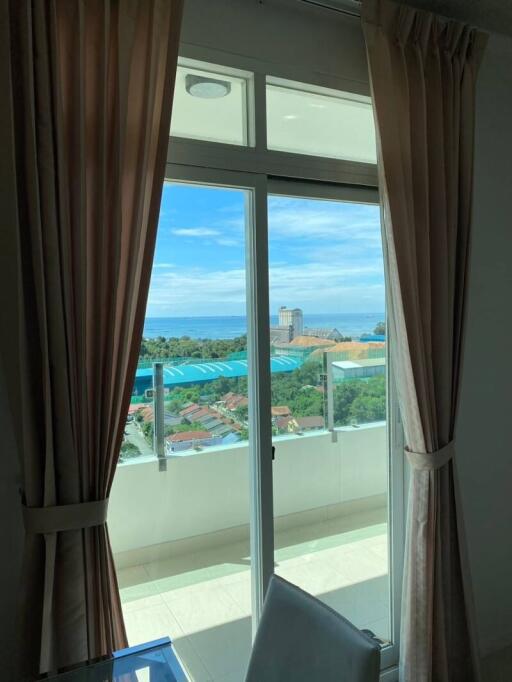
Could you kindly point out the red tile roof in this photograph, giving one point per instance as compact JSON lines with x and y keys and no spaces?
{"x":280,"y":411}
{"x":200,"y":412}
{"x":189,"y":435}
{"x":283,"y":422}
{"x":147,"y":413}
{"x":190,"y":408}
{"x":312,"y":422}
{"x":233,"y":400}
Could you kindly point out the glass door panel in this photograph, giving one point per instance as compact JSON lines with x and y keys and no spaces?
{"x":329,"y":396}
{"x":180,"y":526}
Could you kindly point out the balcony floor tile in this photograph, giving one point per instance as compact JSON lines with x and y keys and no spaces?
{"x":203,"y":600}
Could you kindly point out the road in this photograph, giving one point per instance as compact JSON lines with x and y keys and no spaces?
{"x":135,"y":436}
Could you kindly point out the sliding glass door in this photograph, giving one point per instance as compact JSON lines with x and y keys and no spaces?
{"x":329,"y":406}
{"x":182,"y":544}
{"x":263,"y":434}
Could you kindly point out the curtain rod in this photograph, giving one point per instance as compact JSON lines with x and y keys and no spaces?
{"x":340,"y":10}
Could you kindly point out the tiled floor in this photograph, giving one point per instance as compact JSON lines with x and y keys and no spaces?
{"x":202,"y":601}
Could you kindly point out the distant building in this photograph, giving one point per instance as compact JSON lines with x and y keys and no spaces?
{"x":367,"y":338}
{"x":189,"y":409}
{"x":314,"y":423}
{"x":186,"y":440}
{"x":233,"y":400}
{"x":211,"y":419}
{"x":358,"y":369}
{"x":281,"y":334}
{"x":280,"y":411}
{"x":148,"y":416}
{"x":293,"y":317}
{"x":323,"y":333}
{"x":282,"y":423}
{"x":293,"y":424}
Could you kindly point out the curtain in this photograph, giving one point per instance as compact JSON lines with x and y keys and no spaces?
{"x":91,"y":86}
{"x":423,"y":71}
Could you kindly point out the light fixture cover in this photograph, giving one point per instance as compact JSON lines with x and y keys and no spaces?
{"x":207,"y":88}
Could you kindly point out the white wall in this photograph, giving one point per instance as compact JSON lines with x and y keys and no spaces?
{"x":209,"y":491}
{"x":484,"y":433}
{"x":284,"y":33}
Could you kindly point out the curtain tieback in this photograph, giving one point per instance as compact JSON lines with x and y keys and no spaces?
{"x":65,"y":517}
{"x":429,"y":461}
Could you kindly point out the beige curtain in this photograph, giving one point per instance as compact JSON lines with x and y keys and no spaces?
{"x":423,"y":72}
{"x":91,"y":90}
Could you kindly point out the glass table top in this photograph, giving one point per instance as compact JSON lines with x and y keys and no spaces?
{"x":151,"y":662}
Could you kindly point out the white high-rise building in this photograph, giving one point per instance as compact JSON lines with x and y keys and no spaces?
{"x":293,"y":317}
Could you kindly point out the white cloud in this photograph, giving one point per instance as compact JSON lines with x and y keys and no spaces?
{"x":195,"y":291}
{"x":195,"y":232}
{"x":227,"y":242}
{"x":299,"y":218}
{"x":316,"y":287}
{"x":324,"y":256}
{"x":163,"y":265}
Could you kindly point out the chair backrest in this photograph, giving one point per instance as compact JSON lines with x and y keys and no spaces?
{"x":300,"y":639}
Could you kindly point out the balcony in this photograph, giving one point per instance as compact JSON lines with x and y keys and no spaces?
{"x":181,"y":541}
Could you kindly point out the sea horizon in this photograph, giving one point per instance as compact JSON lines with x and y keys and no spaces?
{"x":232,"y":326}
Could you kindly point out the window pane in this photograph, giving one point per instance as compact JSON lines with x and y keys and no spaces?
{"x":330,"y":491}
{"x":210,"y":105}
{"x":180,"y":527}
{"x":309,"y":121}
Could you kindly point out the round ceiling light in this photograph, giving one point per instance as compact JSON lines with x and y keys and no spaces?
{"x":207,"y":88}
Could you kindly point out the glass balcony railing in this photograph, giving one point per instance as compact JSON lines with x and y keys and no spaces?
{"x":181,"y":541}
{"x":185,"y":405}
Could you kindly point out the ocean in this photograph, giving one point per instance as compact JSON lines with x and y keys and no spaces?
{"x":348,"y":324}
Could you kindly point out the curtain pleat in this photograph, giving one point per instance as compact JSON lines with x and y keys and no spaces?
{"x":91,"y":89}
{"x":423,"y":72}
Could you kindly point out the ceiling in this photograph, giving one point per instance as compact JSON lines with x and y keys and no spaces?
{"x":492,"y":15}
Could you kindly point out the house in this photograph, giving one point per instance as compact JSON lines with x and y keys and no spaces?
{"x":280,"y":411}
{"x":331,"y":334}
{"x":233,"y":400}
{"x":299,"y":424}
{"x":186,"y":440}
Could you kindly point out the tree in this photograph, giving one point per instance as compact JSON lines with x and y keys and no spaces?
{"x":181,"y":428}
{"x":360,"y":401}
{"x":128,"y":450}
{"x":297,"y":390}
{"x":242,"y":413}
{"x":344,"y":396}
{"x":185,"y":347}
{"x":308,"y":403}
{"x":380,"y":329}
{"x":366,"y":409}
{"x":147,"y":431}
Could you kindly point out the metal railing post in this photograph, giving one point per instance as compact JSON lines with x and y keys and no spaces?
{"x":158,"y":415}
{"x":329,"y":389}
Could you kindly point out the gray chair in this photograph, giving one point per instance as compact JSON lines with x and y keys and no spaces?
{"x":300,"y":639}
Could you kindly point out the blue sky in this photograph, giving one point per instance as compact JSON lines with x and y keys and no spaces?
{"x":324,"y":256}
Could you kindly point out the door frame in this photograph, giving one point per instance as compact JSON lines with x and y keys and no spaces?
{"x":258,"y":186}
